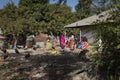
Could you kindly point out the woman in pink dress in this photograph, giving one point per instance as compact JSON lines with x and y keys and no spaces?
{"x":62,"y":41}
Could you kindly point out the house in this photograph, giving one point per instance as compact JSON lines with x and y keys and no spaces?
{"x":89,"y":22}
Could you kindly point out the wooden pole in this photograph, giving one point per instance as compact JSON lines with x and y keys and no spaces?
{"x":80,"y":35}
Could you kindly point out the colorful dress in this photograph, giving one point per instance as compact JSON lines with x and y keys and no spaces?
{"x":62,"y":41}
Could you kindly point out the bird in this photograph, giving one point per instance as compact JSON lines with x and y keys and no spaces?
{"x":5,"y":56}
{"x":53,"y":47}
{"x":4,"y":50}
{"x":34,"y":48}
{"x":16,"y":51}
{"x":27,"y":55}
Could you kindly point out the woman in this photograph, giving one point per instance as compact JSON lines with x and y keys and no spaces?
{"x":62,"y":41}
{"x":72,"y":43}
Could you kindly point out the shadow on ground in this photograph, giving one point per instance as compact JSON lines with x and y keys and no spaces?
{"x":45,"y":67}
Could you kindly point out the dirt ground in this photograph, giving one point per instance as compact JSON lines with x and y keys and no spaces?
{"x":41,"y":65}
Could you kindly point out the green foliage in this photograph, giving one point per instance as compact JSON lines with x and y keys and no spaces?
{"x":83,"y":8}
{"x":30,"y":3}
{"x":15,"y":79}
{"x":32,"y":16}
{"x":8,"y":17}
{"x":109,"y":59}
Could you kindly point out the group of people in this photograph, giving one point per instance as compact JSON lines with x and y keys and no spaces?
{"x":72,"y":42}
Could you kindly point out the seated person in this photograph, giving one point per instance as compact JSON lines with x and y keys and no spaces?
{"x":83,"y":44}
{"x":48,"y":45}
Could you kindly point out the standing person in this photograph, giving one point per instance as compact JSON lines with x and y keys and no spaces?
{"x":62,"y":40}
{"x":72,"y":42}
{"x":13,"y":42}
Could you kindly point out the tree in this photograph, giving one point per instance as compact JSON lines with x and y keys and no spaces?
{"x":61,"y":1}
{"x":83,"y":8}
{"x":30,"y":3}
{"x":48,"y":18}
{"x":36,"y":16}
{"x":8,"y":17}
{"x":108,"y":60}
